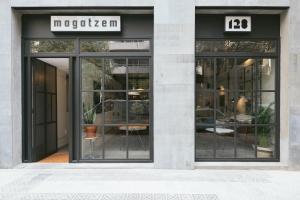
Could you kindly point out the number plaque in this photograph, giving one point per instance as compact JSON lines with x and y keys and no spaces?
{"x":237,"y":24}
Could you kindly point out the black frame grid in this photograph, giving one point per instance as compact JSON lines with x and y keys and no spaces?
{"x":75,"y":92}
{"x":103,"y":125}
{"x":242,"y":55}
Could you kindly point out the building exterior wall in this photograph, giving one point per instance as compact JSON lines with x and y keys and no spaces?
{"x":174,"y":37}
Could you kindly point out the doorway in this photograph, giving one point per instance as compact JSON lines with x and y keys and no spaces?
{"x":50,"y":110}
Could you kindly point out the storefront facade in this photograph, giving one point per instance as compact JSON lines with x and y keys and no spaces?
{"x":163,"y":84}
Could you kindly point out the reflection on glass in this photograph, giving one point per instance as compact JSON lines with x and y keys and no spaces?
{"x":52,"y":46}
{"x":225,"y":74}
{"x":115,"y":74}
{"x":205,"y":108}
{"x":115,"y":142}
{"x":205,"y":142}
{"x":246,"y":74}
{"x":266,"y":141}
{"x":91,"y":74}
{"x":90,"y":45}
{"x":266,"y":74}
{"x":266,"y":108}
{"x":224,"y":141}
{"x":138,"y":81}
{"x":245,"y":142}
{"x":204,"y":74}
{"x":138,"y":62}
{"x":115,"y":107}
{"x":138,"y":111}
{"x":138,"y":142}
{"x":257,"y":46}
{"x":225,"y":107}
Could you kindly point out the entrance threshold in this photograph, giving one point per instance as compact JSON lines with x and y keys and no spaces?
{"x":39,"y":165}
{"x":61,"y":156}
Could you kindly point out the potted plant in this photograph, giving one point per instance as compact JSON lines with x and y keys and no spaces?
{"x":264,"y":116}
{"x":89,"y":118}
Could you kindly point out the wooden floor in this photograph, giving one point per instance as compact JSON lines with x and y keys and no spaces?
{"x":62,"y":156}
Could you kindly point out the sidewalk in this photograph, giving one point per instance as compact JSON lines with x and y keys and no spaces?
{"x":42,"y":182}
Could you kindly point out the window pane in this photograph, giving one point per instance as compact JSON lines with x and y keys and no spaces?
{"x":225,"y":107}
{"x":138,"y":81}
{"x":245,"y":108}
{"x":91,"y":147}
{"x":138,"y":142}
{"x":114,"y":46}
{"x":204,"y":108}
{"x":91,"y":74}
{"x":52,"y":46}
{"x":115,"y":74}
{"x":266,"y":74}
{"x":205,"y":74}
{"x":138,"y":62}
{"x":115,"y":142}
{"x":224,"y":141}
{"x":266,"y":108}
{"x":245,"y":74}
{"x":266,"y":141}
{"x":245,"y":146}
{"x":138,"y":107}
{"x":255,"y":46}
{"x":225,"y":74}
{"x":115,"y":107}
{"x":205,"y":142}
{"x":92,"y":108}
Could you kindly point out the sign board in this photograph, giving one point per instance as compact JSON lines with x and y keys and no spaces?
{"x":237,"y":24}
{"x":85,"y":23}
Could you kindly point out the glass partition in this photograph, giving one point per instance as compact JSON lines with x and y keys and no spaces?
{"x":52,"y":46}
{"x":231,"y":45}
{"x":92,"y":45}
{"x":236,"y":108}
{"x":116,"y":103}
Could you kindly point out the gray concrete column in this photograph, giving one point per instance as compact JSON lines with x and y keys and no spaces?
{"x":174,"y":36}
{"x":294,"y":82}
{"x":10,"y":86}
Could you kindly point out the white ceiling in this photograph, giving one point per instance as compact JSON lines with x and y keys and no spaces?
{"x":59,"y":63}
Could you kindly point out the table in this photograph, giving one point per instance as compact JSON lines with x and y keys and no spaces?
{"x":220,"y":131}
{"x":137,"y":128}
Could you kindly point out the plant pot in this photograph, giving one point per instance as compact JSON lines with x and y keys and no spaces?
{"x":90,"y":131}
{"x":263,"y":152}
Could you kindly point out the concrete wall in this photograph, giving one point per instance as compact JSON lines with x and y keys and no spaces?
{"x":173,"y":76}
{"x":63,"y":116}
{"x":293,"y":65}
{"x":174,"y":36}
{"x":10,"y":89}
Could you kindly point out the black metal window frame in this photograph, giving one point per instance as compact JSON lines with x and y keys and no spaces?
{"x":235,"y":56}
{"x":75,"y":93}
